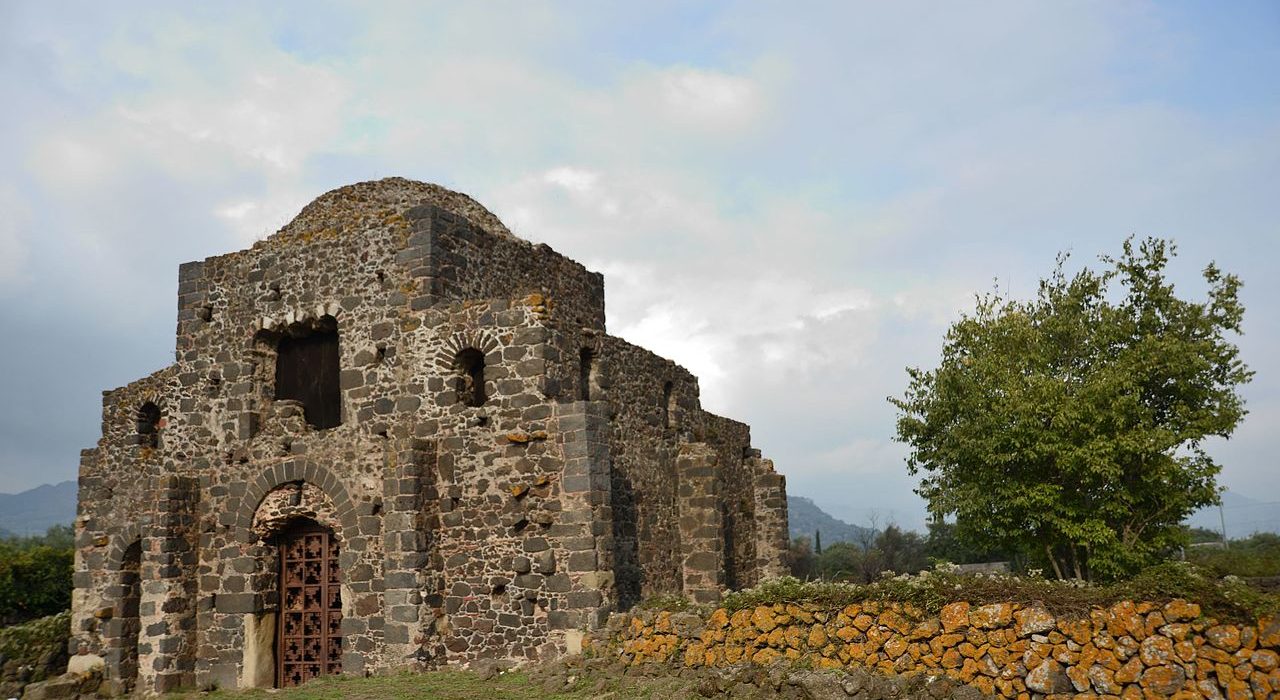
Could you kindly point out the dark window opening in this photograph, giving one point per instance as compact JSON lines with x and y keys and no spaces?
{"x":586,"y":372}
{"x":470,"y":382}
{"x":307,"y":370}
{"x":668,"y":405}
{"x":149,"y":425}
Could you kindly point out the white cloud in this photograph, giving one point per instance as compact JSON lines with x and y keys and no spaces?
{"x":704,"y":98}
{"x":254,"y":219}
{"x":792,"y":208}
{"x":15,"y":217}
{"x":575,"y":180}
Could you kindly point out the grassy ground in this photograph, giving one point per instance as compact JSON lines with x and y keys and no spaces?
{"x":459,"y":685}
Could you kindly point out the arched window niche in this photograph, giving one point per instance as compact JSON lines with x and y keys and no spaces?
{"x":586,"y":374}
{"x":469,"y":383}
{"x":148,"y":423}
{"x":668,"y":405}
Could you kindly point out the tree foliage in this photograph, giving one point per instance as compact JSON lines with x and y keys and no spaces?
{"x":1073,"y":424}
{"x":891,"y":549}
{"x":35,"y":575}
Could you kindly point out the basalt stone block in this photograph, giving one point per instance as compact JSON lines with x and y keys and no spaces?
{"x":237,"y":603}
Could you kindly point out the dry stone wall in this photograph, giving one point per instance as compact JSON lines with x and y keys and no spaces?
{"x":502,"y":473}
{"x":1128,"y":650}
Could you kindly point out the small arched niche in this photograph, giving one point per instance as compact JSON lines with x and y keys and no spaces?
{"x":469,"y":383}
{"x":586,"y":374}
{"x":668,"y":405}
{"x":148,"y":424}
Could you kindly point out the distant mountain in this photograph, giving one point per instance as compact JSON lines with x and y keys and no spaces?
{"x":1244,"y":515}
{"x":806,"y":518}
{"x":35,"y":511}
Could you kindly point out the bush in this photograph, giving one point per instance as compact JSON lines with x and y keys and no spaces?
{"x":1227,"y":599}
{"x":35,"y":576}
{"x":40,"y":643}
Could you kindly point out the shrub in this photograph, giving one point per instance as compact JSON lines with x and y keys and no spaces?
{"x":1227,"y":599}
{"x":35,"y":576}
{"x":40,"y":643}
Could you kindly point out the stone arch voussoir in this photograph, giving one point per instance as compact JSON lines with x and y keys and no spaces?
{"x":120,"y":543}
{"x":478,"y":339}
{"x":293,"y":471}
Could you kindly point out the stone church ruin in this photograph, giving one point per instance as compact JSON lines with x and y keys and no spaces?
{"x":396,"y":436}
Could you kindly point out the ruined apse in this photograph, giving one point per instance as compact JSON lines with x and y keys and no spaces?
{"x":395,"y":436}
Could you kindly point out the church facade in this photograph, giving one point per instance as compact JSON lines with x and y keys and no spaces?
{"x":395,"y":435}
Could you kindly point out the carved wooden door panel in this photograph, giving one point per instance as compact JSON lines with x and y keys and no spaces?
{"x":309,"y":634}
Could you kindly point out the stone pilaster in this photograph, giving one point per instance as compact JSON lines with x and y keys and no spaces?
{"x":773,"y":537}
{"x":701,"y":522}
{"x":166,"y":652}
{"x":405,"y":542}
{"x":585,"y":531}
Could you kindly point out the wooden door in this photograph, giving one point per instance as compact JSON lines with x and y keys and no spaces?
{"x":309,"y":632}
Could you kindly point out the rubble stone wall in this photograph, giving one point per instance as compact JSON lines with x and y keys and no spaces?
{"x":1127,"y":650}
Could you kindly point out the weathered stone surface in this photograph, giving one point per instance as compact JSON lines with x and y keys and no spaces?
{"x":1048,"y":677}
{"x":955,"y":616}
{"x":991,"y":616}
{"x":1034,"y":620}
{"x":1163,"y":680}
{"x":1224,"y":637}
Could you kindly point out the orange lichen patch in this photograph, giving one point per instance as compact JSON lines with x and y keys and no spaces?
{"x":955,"y":616}
{"x":894,"y":621}
{"x":991,"y":616}
{"x":763,"y":619}
{"x":520,"y":437}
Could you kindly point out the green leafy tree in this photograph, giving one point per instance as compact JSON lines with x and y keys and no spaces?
{"x":35,"y":575}
{"x":902,"y":551}
{"x":1073,"y":424}
{"x":942,"y":544}
{"x":840,"y":561}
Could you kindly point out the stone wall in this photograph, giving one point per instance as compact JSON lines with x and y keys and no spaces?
{"x":1127,"y":650}
{"x":478,"y":515}
{"x":654,"y":415}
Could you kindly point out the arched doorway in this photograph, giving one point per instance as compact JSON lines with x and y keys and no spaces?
{"x":309,"y":628}
{"x":127,"y":625}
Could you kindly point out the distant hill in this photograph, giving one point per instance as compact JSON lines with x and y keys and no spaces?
{"x":806,"y":517}
{"x":35,"y":511}
{"x":1244,"y":515}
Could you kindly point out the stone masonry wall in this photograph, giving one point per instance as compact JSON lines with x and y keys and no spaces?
{"x":1128,"y":650}
{"x":649,"y":425}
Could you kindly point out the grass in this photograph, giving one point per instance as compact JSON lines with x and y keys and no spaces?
{"x":462,"y":685}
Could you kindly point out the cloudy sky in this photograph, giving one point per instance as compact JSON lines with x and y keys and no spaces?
{"x":792,"y":200}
